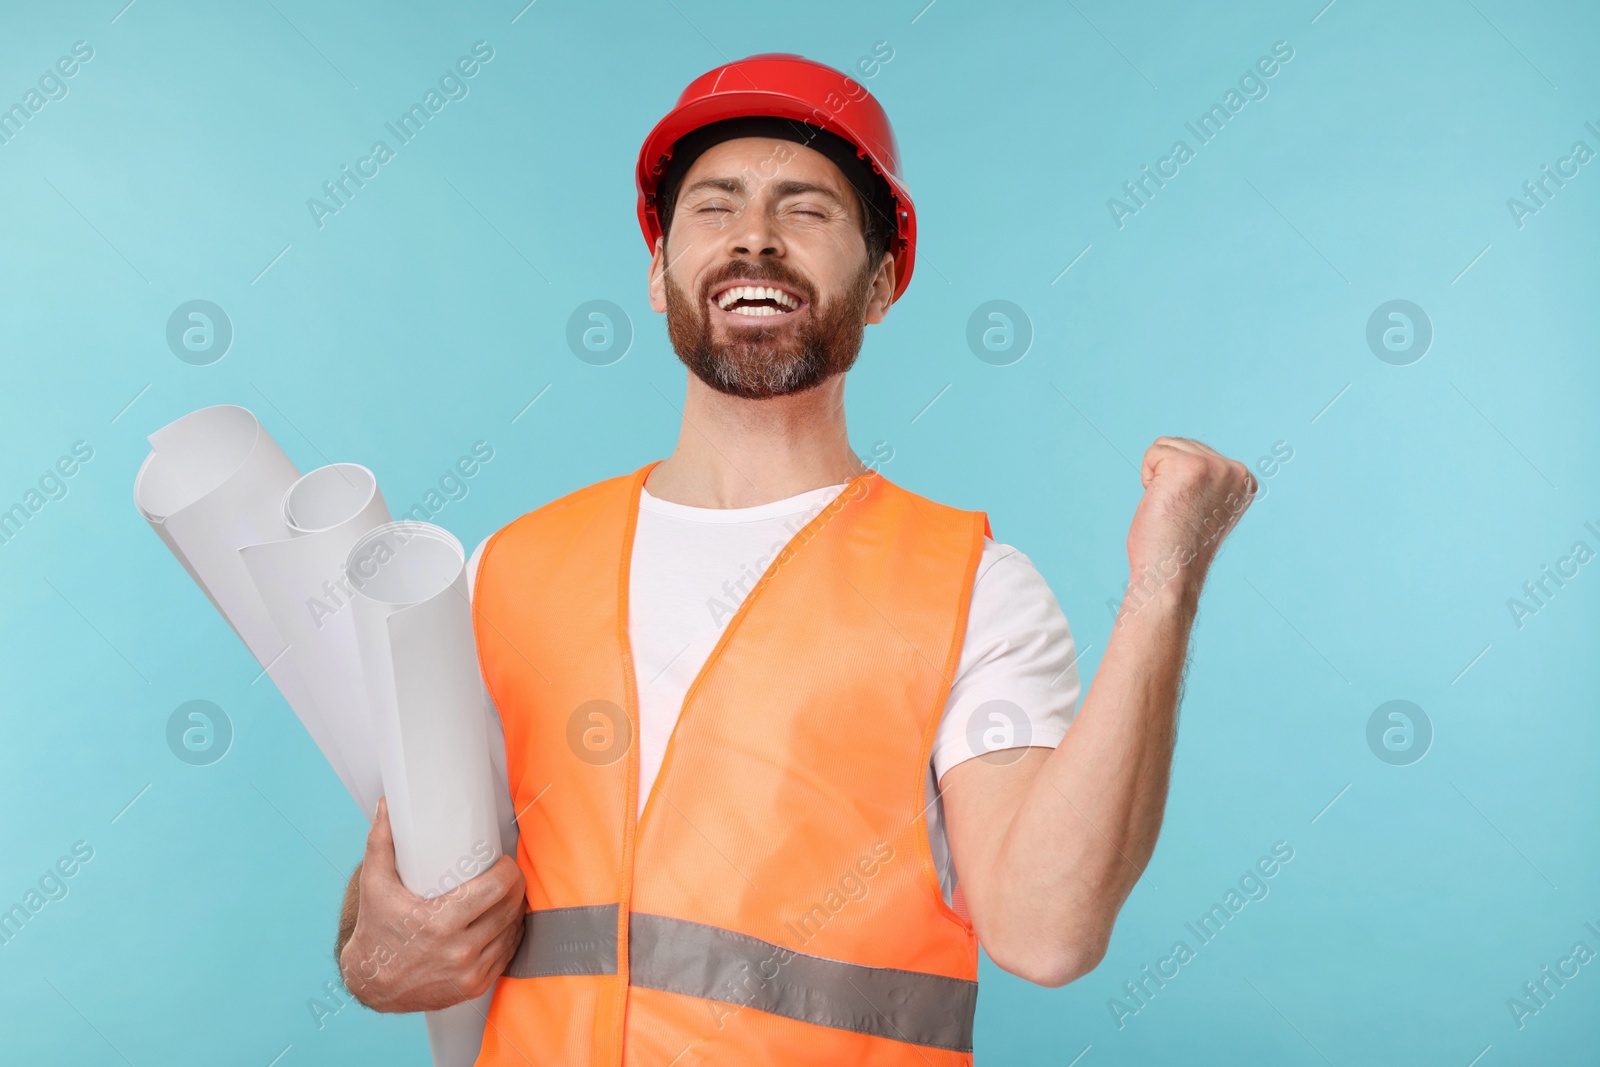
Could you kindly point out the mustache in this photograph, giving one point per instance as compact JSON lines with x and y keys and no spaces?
{"x":747,"y":273}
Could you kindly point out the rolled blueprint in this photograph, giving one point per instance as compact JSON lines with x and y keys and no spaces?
{"x":414,"y":631}
{"x":260,"y":541}
{"x":301,"y":579}
{"x":215,"y":482}
{"x":363,"y":624}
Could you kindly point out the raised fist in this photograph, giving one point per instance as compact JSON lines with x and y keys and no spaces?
{"x":1192,"y":497}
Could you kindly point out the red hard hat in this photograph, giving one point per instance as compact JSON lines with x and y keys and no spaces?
{"x":784,"y":85}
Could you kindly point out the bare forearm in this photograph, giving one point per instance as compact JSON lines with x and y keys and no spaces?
{"x":1087,"y":826}
{"x":1050,"y":846}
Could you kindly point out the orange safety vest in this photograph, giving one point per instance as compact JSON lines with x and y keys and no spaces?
{"x":776,"y":901}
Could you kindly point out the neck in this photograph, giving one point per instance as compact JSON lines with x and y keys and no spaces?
{"x":737,"y":453}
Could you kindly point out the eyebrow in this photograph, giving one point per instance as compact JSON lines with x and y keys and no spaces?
{"x":787,"y":187}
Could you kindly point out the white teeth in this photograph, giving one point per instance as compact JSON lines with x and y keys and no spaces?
{"x":757,"y":292}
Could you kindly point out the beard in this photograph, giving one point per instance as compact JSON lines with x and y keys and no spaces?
{"x":758,"y":362}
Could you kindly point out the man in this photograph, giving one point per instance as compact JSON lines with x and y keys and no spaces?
{"x":787,"y":742}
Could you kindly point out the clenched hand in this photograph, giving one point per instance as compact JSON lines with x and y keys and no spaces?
{"x":1192,"y":497}
{"x":411,"y":954}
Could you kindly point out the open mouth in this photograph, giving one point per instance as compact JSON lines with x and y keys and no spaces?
{"x":757,"y":302}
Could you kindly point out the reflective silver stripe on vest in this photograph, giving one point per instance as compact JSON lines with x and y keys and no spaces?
{"x":567,"y":941}
{"x":678,"y":956}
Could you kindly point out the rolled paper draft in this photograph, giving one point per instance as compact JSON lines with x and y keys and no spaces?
{"x":216,"y":487}
{"x":414,"y":631}
{"x":214,"y":483}
{"x":302,"y":581}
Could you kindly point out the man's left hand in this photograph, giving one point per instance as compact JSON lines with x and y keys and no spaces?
{"x":1192,"y":497}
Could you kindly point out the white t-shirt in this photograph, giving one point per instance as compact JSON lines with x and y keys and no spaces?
{"x":692,"y":568}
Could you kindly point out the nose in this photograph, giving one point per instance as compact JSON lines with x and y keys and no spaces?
{"x":752,"y":233}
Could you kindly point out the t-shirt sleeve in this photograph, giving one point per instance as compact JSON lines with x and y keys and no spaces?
{"x":1017,"y":682}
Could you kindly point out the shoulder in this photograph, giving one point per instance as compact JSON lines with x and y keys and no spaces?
{"x":954,"y":533}
{"x":1017,"y":684}
{"x":922,"y":506}
{"x":580,"y":504}
{"x":1011,"y":600}
{"x":578,"y":507}
{"x":1005,"y":568}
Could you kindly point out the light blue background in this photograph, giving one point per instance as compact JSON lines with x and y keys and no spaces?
{"x":427,"y":314}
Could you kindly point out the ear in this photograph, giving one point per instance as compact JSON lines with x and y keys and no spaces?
{"x":658,"y":276}
{"x":882,"y":294}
